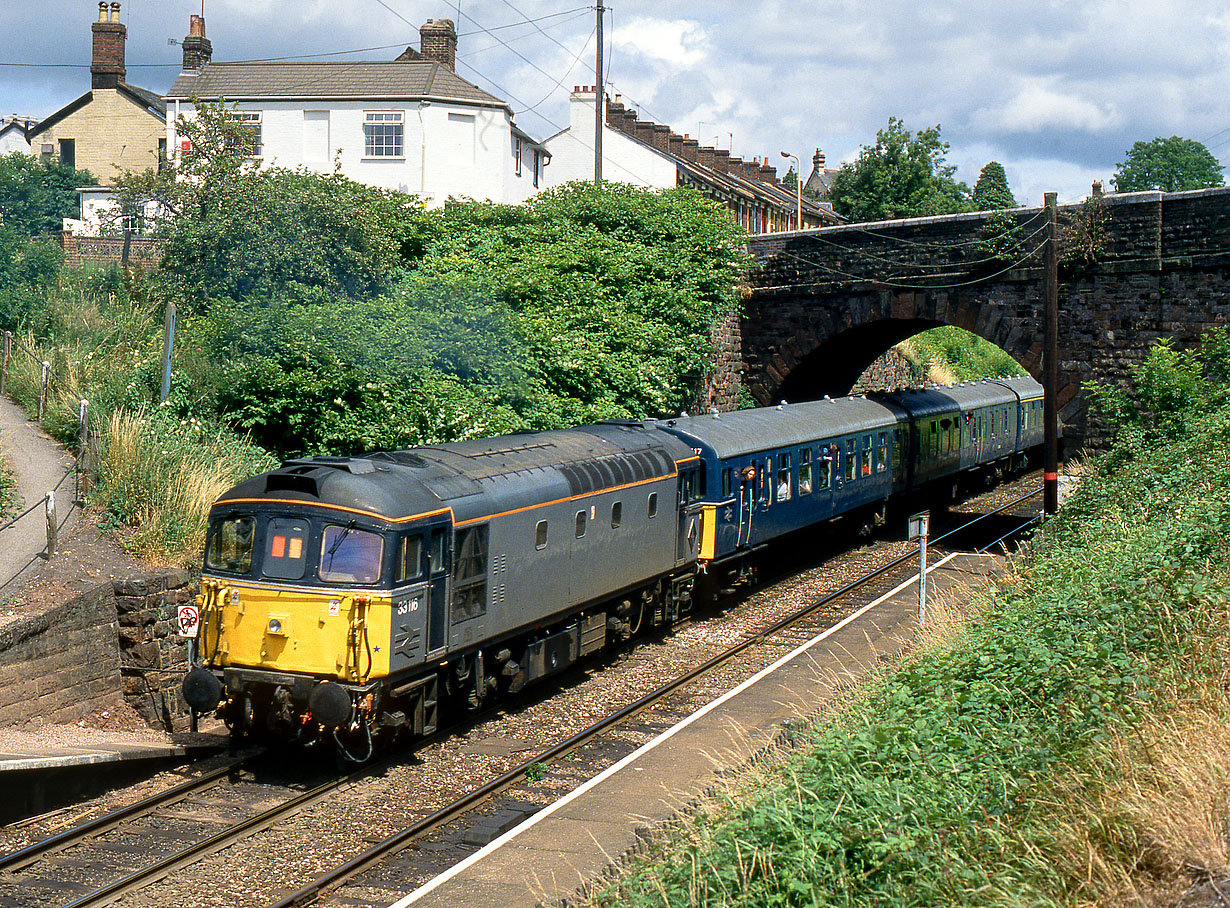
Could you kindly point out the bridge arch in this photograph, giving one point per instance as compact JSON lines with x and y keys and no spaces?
{"x":821,"y":304}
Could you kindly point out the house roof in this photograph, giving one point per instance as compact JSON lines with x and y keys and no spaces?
{"x":358,"y":80}
{"x":153,"y":104}
{"x":733,"y":183}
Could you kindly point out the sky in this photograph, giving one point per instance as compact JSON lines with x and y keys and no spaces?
{"x":1054,"y":90}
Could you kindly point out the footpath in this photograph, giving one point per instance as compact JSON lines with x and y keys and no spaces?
{"x":39,"y":465}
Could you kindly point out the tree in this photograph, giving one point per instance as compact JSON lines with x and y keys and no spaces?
{"x":234,"y":229}
{"x":991,"y":191}
{"x":36,"y":196}
{"x":1171,"y":165}
{"x":902,"y":175}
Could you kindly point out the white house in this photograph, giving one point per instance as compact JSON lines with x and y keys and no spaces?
{"x":650,"y":154}
{"x":411,"y":124}
{"x":13,"y":131}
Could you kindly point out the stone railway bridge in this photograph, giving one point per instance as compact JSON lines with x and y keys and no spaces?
{"x":821,"y":305}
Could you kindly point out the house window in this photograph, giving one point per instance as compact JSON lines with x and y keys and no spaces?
{"x":383,"y":134}
{"x":248,"y":143}
{"x":537,"y":158}
{"x":517,"y":155}
{"x":68,"y":152}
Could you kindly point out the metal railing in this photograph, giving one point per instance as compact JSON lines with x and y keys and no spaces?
{"x":79,"y":471}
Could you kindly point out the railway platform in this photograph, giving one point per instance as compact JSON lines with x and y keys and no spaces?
{"x":575,"y":840}
{"x":37,"y":774}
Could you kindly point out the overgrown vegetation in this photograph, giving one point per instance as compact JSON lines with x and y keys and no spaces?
{"x":949,"y":354}
{"x":319,"y":316}
{"x":1064,"y":746}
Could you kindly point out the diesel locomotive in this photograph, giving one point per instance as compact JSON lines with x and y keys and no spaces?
{"x":347,"y":597}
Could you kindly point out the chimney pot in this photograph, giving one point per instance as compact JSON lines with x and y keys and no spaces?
{"x":438,"y":41}
{"x":197,"y":48}
{"x":107,"y":64}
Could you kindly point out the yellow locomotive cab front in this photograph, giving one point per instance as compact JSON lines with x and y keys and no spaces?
{"x":334,"y":634}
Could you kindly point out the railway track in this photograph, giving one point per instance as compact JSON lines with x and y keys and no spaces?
{"x":162,"y":845}
{"x":391,"y":845}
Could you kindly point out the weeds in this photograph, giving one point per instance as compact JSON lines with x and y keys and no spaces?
{"x":1061,"y":747}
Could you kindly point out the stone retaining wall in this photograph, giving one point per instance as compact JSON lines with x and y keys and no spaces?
{"x":115,"y":640}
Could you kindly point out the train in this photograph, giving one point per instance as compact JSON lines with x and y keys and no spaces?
{"x":348,"y":599}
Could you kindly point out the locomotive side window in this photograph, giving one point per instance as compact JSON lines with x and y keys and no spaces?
{"x":409,"y":559}
{"x":230,"y":545}
{"x":653,"y":504}
{"x":617,"y":514}
{"x":580,"y":524}
{"x":783,"y":478}
{"x":470,"y":573}
{"x":348,"y":555}
{"x":436,"y":550}
{"x":285,"y":548}
{"x":805,"y":471}
{"x":540,"y":536}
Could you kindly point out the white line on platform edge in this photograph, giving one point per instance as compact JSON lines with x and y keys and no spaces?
{"x":530,"y":822}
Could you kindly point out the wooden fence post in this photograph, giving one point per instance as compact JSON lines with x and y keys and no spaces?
{"x":4,"y":367}
{"x":42,"y":391}
{"x":83,"y":442}
{"x":53,"y":528}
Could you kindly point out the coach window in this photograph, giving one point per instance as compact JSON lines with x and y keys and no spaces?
{"x":784,"y":463}
{"x":866,"y":455}
{"x":826,"y":465}
{"x":348,"y":555}
{"x":617,"y":514}
{"x":653,"y":504}
{"x":726,"y":483}
{"x":896,"y":449}
{"x":581,"y":517}
{"x":470,"y":573}
{"x":230,"y":545}
{"x":882,"y":453}
{"x":285,"y":548}
{"x":540,"y":536}
{"x":409,"y":559}
{"x":805,"y":471}
{"x":851,"y":459}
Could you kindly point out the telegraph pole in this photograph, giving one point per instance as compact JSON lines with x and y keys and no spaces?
{"x":1050,"y":359}
{"x":599,"y":91}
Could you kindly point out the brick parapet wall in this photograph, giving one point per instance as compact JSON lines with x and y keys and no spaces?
{"x":115,"y":640}
{"x":722,"y":387}
{"x":109,"y":250}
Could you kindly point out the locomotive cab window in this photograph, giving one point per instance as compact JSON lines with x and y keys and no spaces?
{"x":409,"y":559}
{"x":435,"y":551}
{"x":348,"y":555}
{"x":286,"y":548}
{"x":229,"y":546}
{"x":540,"y":536}
{"x":470,"y":573}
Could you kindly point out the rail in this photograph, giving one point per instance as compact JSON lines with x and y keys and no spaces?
{"x":79,"y":471}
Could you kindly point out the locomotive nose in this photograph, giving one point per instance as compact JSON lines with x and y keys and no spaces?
{"x":202,"y":690}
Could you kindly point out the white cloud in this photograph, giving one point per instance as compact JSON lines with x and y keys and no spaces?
{"x":676,"y":42}
{"x":1039,"y":106}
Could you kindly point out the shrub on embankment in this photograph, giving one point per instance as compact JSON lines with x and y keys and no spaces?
{"x":1065,"y":745}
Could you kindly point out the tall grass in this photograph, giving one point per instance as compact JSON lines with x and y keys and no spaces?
{"x":159,"y":476}
{"x":1065,"y":747}
{"x":950,"y":354}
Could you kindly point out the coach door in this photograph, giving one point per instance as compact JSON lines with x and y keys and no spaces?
{"x":688,"y":544}
{"x":437,"y":612}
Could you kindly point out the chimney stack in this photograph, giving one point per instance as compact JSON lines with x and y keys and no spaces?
{"x":438,"y":41}
{"x":107,"y":66}
{"x":817,"y":161}
{"x":197,"y":49}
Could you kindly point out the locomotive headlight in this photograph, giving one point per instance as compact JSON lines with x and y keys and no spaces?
{"x":275,"y":625}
